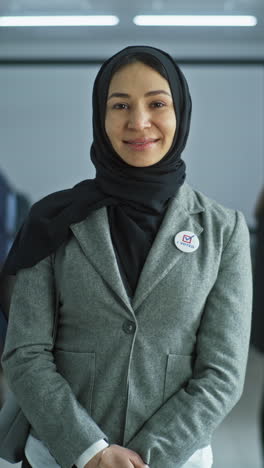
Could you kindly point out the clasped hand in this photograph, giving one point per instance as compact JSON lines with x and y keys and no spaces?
{"x":116,"y":456}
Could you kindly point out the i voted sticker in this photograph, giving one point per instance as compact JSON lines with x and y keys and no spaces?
{"x":186,"y":241}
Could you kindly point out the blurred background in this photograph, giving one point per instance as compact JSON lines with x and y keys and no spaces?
{"x":46,"y":78}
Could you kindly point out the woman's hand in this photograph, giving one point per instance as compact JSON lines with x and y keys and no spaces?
{"x":116,"y":456}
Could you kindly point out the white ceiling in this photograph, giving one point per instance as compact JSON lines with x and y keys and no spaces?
{"x":98,"y":42}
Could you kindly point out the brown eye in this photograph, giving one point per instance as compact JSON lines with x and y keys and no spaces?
{"x":158,"y":104}
{"x":119,"y":106}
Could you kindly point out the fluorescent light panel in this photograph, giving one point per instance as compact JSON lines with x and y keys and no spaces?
{"x":195,"y":20}
{"x":140,"y":20}
{"x":95,"y":20}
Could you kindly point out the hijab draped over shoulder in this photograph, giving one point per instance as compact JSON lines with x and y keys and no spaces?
{"x":136,"y":197}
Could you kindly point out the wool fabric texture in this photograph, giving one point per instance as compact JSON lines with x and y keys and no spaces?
{"x":136,"y":197}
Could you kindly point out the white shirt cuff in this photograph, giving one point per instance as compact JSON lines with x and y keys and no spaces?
{"x":90,"y":453}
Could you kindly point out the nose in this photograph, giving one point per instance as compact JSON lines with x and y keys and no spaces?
{"x":139,"y":119}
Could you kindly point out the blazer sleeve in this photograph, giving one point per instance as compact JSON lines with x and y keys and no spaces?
{"x":187,"y":420}
{"x":44,"y":395}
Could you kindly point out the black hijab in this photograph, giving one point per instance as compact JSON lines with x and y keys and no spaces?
{"x":136,"y":197}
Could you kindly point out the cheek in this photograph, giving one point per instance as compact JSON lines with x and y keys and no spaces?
{"x":112,"y":127}
{"x":107,"y":127}
{"x":168,"y":126}
{"x":108,"y":124}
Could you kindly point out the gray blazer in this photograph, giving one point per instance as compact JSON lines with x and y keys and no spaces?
{"x":157,"y":373}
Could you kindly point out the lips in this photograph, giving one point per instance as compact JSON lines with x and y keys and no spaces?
{"x":141,"y":141}
{"x":142,"y":144}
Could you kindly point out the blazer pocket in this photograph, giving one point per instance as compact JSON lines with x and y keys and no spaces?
{"x":79,"y":371}
{"x":178,"y":372}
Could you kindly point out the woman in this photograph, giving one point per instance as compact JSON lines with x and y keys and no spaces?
{"x":154,"y":283}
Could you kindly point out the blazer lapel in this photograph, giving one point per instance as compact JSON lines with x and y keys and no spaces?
{"x":163,"y":254}
{"x":94,"y":237}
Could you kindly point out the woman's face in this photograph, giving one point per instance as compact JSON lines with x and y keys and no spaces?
{"x":140,"y":118}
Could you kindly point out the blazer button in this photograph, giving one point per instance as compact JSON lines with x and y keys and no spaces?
{"x":129,"y":327}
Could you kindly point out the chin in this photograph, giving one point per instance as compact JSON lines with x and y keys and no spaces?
{"x":139,"y":163}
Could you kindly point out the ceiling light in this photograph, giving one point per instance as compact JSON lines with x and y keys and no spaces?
{"x":195,"y":20}
{"x":96,"y":20}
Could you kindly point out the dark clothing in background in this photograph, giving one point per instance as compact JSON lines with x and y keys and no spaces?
{"x":257,"y":331}
{"x":257,"y":334}
{"x":14,"y":207}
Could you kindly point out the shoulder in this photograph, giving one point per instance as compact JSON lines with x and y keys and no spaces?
{"x":211,"y":206}
{"x":50,"y":202}
{"x":217,"y":218}
{"x":53,"y":203}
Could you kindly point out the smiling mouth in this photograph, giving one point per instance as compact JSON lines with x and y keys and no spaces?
{"x":141,"y":142}
{"x":141,"y":145}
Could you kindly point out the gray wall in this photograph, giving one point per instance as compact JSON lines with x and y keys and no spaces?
{"x":46,"y":131}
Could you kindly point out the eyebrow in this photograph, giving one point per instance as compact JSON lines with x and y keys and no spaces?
{"x":149,"y":93}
